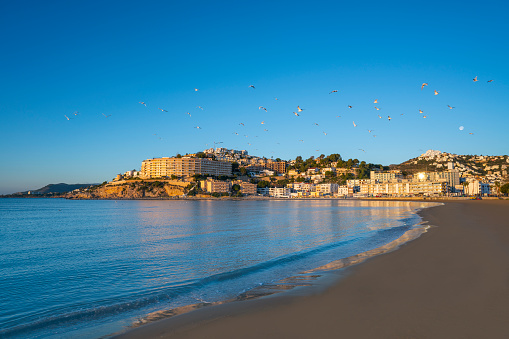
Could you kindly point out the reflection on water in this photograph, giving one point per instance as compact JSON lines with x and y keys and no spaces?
{"x":90,"y":267}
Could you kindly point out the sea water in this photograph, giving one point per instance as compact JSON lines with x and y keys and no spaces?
{"x":89,"y":268}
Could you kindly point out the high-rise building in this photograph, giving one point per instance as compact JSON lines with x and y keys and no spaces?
{"x":183,"y":167}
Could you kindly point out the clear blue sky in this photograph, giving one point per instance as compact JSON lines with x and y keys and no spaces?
{"x":104,"y":57}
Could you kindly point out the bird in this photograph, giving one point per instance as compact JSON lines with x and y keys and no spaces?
{"x":471,"y":133}
{"x":354,"y":125}
{"x":370,"y":130}
{"x":475,"y":79}
{"x":420,"y":111}
{"x":163,"y":110}
{"x":196,"y":89}
{"x":376,"y":101}
{"x":198,"y":127}
{"x":461,"y":128}
{"x":450,"y":107}
{"x":436,"y":92}
{"x":188,"y":113}
{"x":199,"y":107}
{"x":235,"y":133}
{"x":299,"y":109}
{"x":263,"y":122}
{"x":360,"y":149}
{"x":261,"y":107}
{"x":301,"y":140}
{"x":350,"y":106}
{"x":380,"y":116}
{"x":76,"y":113}
{"x":141,"y":102}
{"x":490,"y":80}
{"x":109,"y":115}
{"x":377,"y":108}
{"x":296,"y":114}
{"x":251,"y":86}
{"x":334,"y":91}
{"x":241,"y":124}
{"x":67,"y":117}
{"x":266,"y":130}
{"x":389,"y":117}
{"x":338,"y":116}
{"x":316,"y":124}
{"x":374,"y":136}
{"x":424,"y":84}
{"x":425,"y":116}
{"x":275,"y":98}
{"x":324,"y":133}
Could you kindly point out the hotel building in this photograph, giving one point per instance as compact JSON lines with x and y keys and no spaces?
{"x":183,"y":167}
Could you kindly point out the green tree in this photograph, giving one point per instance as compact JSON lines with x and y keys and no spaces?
{"x":505,"y":189}
{"x":236,"y":188}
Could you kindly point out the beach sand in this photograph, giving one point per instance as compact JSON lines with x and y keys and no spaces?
{"x":452,"y":282}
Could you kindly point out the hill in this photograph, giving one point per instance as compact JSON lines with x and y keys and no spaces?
{"x":59,"y":188}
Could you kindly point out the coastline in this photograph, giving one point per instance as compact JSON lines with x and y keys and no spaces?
{"x":451,"y":282}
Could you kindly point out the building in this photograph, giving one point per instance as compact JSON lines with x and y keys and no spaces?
{"x":277,"y":192}
{"x":246,"y":187}
{"x":385,"y":176}
{"x":215,"y":186}
{"x":478,"y":188}
{"x":183,"y":167}
{"x":327,"y":189}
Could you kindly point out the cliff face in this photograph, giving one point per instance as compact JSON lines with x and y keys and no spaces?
{"x":135,"y":190}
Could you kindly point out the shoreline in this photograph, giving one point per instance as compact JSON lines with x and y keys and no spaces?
{"x":451,"y":282}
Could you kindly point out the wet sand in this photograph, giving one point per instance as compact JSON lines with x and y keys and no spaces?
{"x":452,"y":282}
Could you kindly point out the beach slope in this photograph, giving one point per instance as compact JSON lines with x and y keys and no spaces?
{"x":452,"y":282}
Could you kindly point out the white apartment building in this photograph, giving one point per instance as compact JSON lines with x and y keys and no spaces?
{"x":477,"y":187}
{"x":325,"y":189}
{"x":276,"y":192}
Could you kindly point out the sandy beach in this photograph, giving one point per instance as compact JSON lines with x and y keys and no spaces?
{"x":452,"y":282}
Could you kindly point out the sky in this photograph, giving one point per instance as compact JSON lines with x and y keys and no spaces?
{"x":102,"y":58}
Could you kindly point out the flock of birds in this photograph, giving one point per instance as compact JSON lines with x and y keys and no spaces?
{"x":296,"y":112}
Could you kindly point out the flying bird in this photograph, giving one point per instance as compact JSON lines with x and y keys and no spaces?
{"x":261,"y":107}
{"x":324,"y":133}
{"x":241,"y":124}
{"x":188,"y":113}
{"x":377,"y":108}
{"x":251,"y":86}
{"x":334,"y":91}
{"x":380,"y":116}
{"x":141,"y":102}
{"x":109,"y":115}
{"x":163,"y":110}
{"x":76,"y":113}
{"x":424,"y":84}
{"x":360,"y":149}
{"x":376,"y":101}
{"x":389,"y":117}
{"x":67,"y":117}
{"x":420,"y":111}
{"x":199,"y":107}
{"x":299,"y":109}
{"x":461,"y":128}
{"x":450,"y":107}
{"x":316,"y":124}
{"x":354,"y":125}
{"x":471,"y":133}
{"x":490,"y":80}
{"x":263,"y":122}
{"x":296,"y":114}
{"x":370,"y":130}
{"x":301,"y":140}
{"x":275,"y":98}
{"x":198,"y":127}
{"x":425,"y":116}
{"x":374,"y":136}
{"x":350,"y":106}
{"x":196,"y":89}
{"x":475,"y":79}
{"x":436,"y":92}
{"x":266,"y":130}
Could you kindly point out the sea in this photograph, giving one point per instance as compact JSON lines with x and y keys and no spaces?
{"x":94,"y":268}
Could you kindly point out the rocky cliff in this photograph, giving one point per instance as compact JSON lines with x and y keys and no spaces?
{"x":132,"y":190}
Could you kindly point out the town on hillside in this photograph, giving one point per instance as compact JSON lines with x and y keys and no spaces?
{"x":227,"y":172}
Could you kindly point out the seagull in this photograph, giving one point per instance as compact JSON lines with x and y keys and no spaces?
{"x":425,"y":116}
{"x":235,"y":133}
{"x":334,"y":91}
{"x":324,"y":133}
{"x":245,"y":135}
{"x":376,"y":101}
{"x":76,"y":113}
{"x":436,"y":92}
{"x":461,"y":128}
{"x":490,"y":80}
{"x":296,"y":114}
{"x":338,"y":116}
{"x":420,"y":111}
{"x":67,"y":117}
{"x":196,"y":89}
{"x":370,"y":130}
{"x":261,"y":107}
{"x":188,"y":113}
{"x":354,"y":125}
{"x":266,"y":130}
{"x":241,"y":124}
{"x":350,"y":106}
{"x":109,"y":115}
{"x":475,"y":79}
{"x":450,"y":107}
{"x":199,"y":107}
{"x":360,"y":149}
{"x":141,"y":102}
{"x":301,"y":140}
{"x":275,"y":98}
{"x":471,"y":133}
{"x":316,"y":124}
{"x":389,"y":117}
{"x":374,"y":136}
{"x":198,"y":127}
{"x":163,"y":110}
{"x":377,"y":108}
{"x":263,"y":122}
{"x":251,"y":86}
{"x":299,"y":109}
{"x":424,"y":84}
{"x":379,"y":116}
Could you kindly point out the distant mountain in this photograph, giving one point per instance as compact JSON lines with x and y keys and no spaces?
{"x":60,"y":188}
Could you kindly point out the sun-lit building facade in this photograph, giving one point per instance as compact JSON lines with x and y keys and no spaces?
{"x":183,"y":167}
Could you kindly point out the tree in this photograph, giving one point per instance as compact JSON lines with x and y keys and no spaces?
{"x":179,"y":155}
{"x":505,"y":189}
{"x":243,"y":170}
